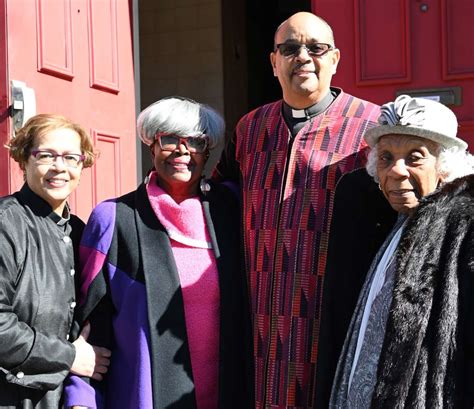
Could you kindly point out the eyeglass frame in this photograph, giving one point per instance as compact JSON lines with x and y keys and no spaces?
{"x":55,"y":156}
{"x":306,"y":47}
{"x":182,"y":140}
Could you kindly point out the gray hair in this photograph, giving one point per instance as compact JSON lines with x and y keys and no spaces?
{"x":451,"y":163}
{"x":184,"y":117}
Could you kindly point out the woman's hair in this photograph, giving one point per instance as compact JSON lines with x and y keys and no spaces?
{"x":451,"y":163}
{"x":22,"y":143}
{"x":183,"y":117}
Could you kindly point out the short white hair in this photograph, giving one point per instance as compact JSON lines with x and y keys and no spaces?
{"x":451,"y":163}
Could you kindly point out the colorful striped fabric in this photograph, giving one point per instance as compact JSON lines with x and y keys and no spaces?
{"x":288,"y":192}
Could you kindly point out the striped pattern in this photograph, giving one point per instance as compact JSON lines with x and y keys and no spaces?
{"x":287,"y":213}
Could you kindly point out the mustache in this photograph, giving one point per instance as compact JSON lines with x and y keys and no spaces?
{"x":299,"y":66}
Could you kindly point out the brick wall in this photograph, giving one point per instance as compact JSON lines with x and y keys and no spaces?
{"x":181,"y":50}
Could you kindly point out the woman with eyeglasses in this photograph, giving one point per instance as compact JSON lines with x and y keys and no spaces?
{"x":163,"y":281}
{"x":37,"y":267}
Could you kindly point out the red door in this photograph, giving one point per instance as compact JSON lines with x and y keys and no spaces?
{"x":77,"y":57}
{"x":423,"y":47}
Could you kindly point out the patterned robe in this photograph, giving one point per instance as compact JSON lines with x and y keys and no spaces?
{"x":288,"y":189}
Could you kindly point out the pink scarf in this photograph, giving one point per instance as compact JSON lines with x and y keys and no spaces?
{"x":198,"y":275}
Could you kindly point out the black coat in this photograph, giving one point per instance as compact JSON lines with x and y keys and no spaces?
{"x":427,"y":358}
{"x":361,"y":221}
{"x":37,"y":301}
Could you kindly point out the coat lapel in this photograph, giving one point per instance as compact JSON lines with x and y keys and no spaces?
{"x":172,"y":383}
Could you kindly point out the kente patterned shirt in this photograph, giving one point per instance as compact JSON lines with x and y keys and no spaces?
{"x":288,"y":186}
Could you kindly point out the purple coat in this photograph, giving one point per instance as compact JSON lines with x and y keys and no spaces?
{"x":132,"y":298}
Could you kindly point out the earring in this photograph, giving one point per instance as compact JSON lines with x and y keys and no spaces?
{"x":204,"y":186}
{"x":380,"y":187}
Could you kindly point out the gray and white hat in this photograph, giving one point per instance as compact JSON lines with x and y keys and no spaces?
{"x":418,"y":117}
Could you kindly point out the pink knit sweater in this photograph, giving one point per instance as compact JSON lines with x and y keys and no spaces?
{"x":198,"y":276}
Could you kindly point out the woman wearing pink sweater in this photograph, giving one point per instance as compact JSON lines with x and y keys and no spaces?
{"x":163,"y":285}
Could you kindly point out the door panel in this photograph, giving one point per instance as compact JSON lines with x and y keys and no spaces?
{"x":458,"y":46}
{"x":110,"y":153}
{"x":395,"y":67}
{"x":78,"y":57}
{"x":103,"y":45}
{"x":423,"y":47}
{"x":54,"y":38}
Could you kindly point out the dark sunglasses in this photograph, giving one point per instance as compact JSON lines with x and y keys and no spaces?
{"x":171,"y":142}
{"x":314,"y":49}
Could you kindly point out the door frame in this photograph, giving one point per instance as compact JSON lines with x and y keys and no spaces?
{"x":5,"y":102}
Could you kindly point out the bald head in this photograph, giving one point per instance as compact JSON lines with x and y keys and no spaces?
{"x":304,"y":75}
{"x":303,"y":18}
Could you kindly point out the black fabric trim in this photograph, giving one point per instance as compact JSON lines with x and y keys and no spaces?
{"x":37,"y":204}
{"x":165,"y":311}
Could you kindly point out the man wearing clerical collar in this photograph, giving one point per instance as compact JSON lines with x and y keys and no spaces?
{"x":288,"y":157}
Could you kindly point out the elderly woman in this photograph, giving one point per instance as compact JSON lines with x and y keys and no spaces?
{"x":163,"y":283}
{"x":411,"y":340}
{"x":37,"y":251}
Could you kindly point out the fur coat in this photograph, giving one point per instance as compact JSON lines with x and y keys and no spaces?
{"x":427,"y":359}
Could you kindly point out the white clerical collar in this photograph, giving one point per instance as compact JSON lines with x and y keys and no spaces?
{"x":308,"y":112}
{"x":299,"y":113}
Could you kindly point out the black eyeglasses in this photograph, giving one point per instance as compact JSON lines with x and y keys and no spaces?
{"x":314,"y":49}
{"x":171,"y":142}
{"x":71,"y":160}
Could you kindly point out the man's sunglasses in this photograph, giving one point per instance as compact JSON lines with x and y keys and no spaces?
{"x":314,"y":49}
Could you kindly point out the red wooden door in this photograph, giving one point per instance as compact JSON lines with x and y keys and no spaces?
{"x":424,"y":47}
{"x":77,"y":56}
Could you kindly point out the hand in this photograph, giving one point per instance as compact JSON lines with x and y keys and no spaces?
{"x":90,"y":360}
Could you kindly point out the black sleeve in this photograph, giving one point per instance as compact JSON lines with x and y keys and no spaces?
{"x":42,"y":360}
{"x":362,"y":218}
